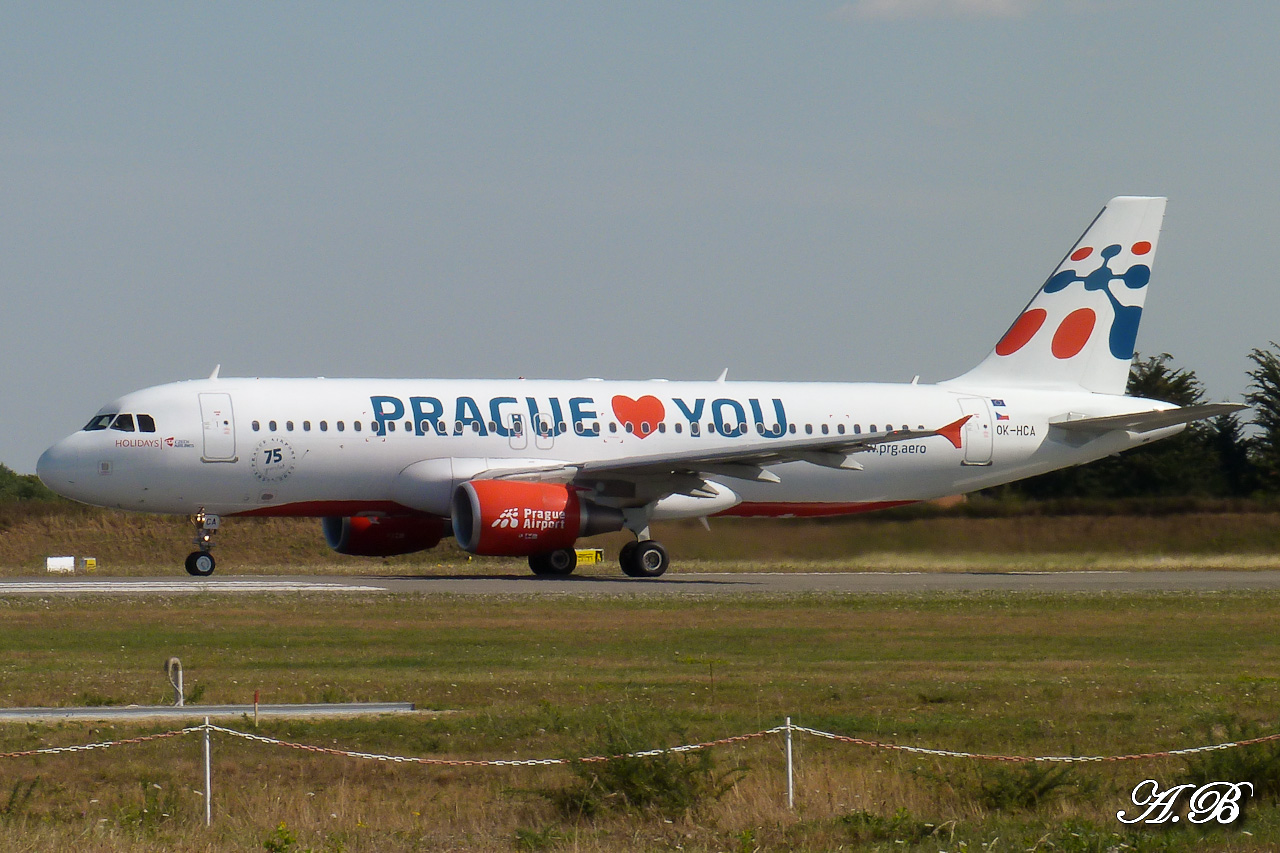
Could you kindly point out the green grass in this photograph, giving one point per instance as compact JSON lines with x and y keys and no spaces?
{"x":523,"y":677}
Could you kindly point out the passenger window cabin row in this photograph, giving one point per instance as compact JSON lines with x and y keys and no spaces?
{"x":340,"y":426}
{"x":545,"y":429}
{"x":128,"y":422}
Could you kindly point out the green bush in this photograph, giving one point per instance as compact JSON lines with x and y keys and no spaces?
{"x":671,"y":784}
{"x":901,"y":828}
{"x":1022,"y":787}
{"x":22,"y":487}
{"x":536,"y":840}
{"x":15,"y":806}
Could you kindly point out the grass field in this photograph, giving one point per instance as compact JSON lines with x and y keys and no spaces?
{"x":572,"y":676}
{"x":526,"y":677}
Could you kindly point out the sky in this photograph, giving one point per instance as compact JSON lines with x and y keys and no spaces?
{"x":802,"y":191}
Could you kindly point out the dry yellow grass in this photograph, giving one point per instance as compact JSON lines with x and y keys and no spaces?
{"x":126,"y":543}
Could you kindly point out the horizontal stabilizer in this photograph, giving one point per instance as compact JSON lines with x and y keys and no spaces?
{"x":1145,"y":421}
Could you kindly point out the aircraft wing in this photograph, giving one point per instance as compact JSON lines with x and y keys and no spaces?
{"x":744,"y":462}
{"x":1144,"y":421}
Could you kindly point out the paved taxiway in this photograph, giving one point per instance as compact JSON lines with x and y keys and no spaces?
{"x":671,"y":584}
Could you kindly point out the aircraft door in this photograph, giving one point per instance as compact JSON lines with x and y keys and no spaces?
{"x":219,"y":428}
{"x":978,"y":431}
{"x":516,"y":432}
{"x":544,"y":431}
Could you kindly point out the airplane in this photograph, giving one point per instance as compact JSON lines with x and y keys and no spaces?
{"x":525,"y":468}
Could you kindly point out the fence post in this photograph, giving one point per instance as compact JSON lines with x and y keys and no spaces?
{"x":791,"y":787}
{"x":208,"y":787}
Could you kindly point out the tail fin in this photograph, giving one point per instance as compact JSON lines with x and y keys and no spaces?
{"x":1079,"y":330}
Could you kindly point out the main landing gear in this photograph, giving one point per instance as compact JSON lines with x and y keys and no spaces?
{"x":644,"y":558}
{"x":554,"y":564}
{"x":200,"y":562}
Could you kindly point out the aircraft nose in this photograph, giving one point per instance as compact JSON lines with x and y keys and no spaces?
{"x":59,"y":468}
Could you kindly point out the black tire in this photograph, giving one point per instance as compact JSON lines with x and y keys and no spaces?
{"x":625,"y":556}
{"x":554,"y":564}
{"x":647,"y":560}
{"x":201,"y":564}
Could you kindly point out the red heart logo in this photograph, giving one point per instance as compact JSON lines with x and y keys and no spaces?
{"x":643,"y":415}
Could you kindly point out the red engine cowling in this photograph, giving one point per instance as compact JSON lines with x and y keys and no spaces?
{"x":362,"y":536}
{"x":504,"y":518}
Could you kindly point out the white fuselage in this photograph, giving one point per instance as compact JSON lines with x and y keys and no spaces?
{"x":338,"y":447}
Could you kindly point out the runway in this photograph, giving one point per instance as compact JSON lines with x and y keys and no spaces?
{"x":673,"y":584}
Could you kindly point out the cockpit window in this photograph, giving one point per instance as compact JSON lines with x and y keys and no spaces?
{"x":146,"y":423}
{"x":124,"y":423}
{"x":99,"y":422}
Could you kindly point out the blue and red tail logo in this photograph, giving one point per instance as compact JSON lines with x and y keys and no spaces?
{"x":1077,"y":327}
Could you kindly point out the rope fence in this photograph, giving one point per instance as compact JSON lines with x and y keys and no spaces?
{"x":490,"y":762}
{"x":787,"y":729}
{"x":1060,"y":759}
{"x":88,"y":747}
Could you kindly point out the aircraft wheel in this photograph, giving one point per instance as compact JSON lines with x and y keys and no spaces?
{"x":625,"y":556}
{"x":200,"y":564}
{"x":560,"y":563}
{"x":647,"y":560}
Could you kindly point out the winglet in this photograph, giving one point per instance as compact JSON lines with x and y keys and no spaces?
{"x":216,"y":369}
{"x":951,"y":432}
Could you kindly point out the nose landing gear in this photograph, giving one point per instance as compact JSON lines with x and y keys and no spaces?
{"x":200,"y":562}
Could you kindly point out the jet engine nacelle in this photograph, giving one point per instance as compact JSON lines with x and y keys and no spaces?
{"x":505,"y":518}
{"x":362,"y":536}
